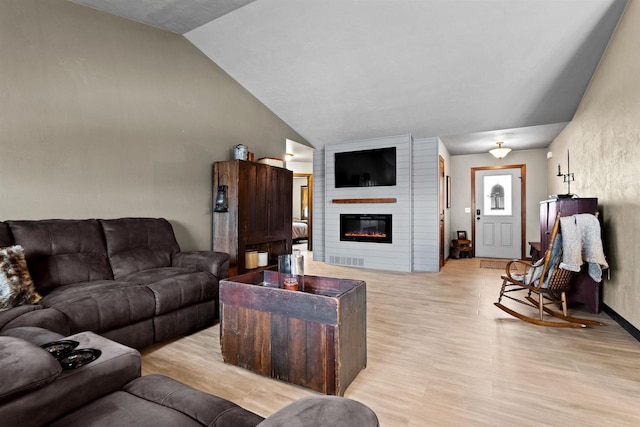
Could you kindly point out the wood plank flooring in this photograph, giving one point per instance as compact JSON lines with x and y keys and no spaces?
{"x":440,"y":354}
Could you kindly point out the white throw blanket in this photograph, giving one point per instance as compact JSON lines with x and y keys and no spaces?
{"x":581,"y":242}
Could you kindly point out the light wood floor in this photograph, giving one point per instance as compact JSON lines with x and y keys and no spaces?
{"x":440,"y":354}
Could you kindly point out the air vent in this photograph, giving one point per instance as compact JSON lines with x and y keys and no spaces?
{"x":345,"y":260}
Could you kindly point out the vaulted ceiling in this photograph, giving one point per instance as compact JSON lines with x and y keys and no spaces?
{"x":472,"y":72}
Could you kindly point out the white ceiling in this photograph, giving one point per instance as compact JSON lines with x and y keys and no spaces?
{"x":471,"y":72}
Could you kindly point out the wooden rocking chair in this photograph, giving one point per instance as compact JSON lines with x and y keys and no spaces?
{"x":548,"y":281}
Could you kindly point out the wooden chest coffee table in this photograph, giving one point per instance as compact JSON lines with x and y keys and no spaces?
{"x":314,"y":338}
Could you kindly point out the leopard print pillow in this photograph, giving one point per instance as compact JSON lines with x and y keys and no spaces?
{"x":16,"y":286}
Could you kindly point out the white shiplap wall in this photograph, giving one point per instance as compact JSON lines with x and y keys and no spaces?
{"x":394,"y":256}
{"x":318,"y":205}
{"x":426,"y":236}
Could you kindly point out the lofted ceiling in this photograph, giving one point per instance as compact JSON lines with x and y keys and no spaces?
{"x":471,"y":72}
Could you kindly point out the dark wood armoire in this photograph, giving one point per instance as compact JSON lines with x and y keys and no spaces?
{"x":259,"y":214}
{"x":584,"y":289}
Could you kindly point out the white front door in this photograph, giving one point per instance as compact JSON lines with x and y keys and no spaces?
{"x":498,"y":213}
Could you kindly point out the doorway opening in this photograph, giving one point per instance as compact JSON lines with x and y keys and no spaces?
{"x":302,"y":209}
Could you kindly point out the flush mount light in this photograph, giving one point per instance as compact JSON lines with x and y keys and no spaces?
{"x":288,"y":157}
{"x":500,"y":152}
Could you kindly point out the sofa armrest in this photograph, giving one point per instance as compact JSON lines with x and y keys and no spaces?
{"x":216,"y":263}
{"x":207,"y":409}
{"x":24,"y":367}
{"x":35,"y":315}
{"x":331,"y":411}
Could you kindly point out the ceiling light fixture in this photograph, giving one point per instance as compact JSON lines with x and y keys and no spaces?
{"x":288,"y":157}
{"x":500,"y":152}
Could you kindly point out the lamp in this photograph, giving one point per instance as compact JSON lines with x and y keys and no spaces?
{"x":221,"y":199}
{"x":221,"y":203}
{"x":500,"y":152}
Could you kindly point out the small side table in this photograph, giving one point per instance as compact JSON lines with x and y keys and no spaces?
{"x":460,"y":248}
{"x":315,"y":338}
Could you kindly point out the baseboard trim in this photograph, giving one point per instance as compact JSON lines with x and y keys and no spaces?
{"x":635,"y":332}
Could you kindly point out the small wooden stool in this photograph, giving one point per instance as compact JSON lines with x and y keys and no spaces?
{"x":460,"y":248}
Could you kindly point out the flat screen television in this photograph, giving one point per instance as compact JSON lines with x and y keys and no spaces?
{"x":366,"y":168}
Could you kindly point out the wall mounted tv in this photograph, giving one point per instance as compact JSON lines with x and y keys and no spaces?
{"x":366,"y":168}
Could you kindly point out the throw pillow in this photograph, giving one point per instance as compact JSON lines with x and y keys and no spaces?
{"x":16,"y":286}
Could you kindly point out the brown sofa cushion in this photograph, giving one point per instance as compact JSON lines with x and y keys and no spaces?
{"x":36,"y":316}
{"x":61,"y":251}
{"x":102,"y":305}
{"x":136,"y":244}
{"x":34,"y":335}
{"x":123,"y":409}
{"x":323,"y":411}
{"x":155,"y":400}
{"x":207,"y":409}
{"x":5,"y":235}
{"x":7,"y":316}
{"x":24,"y":366}
{"x":174,"y":288}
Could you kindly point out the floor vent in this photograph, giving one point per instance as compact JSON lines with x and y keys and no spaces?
{"x":345,"y":260}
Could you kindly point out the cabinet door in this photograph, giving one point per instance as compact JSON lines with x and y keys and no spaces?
{"x":548,"y":212}
{"x":253,"y":215}
{"x":280,"y":191}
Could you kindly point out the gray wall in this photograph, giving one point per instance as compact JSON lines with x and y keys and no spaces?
{"x":425,"y":205}
{"x":387,"y":256}
{"x":604,"y":141}
{"x":536,"y":168}
{"x":105,"y":117}
{"x":415,"y":215}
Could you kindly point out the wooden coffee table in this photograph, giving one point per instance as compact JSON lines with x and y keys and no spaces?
{"x":315,"y":338}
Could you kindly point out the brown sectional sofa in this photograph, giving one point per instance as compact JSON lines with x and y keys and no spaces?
{"x":105,"y":283}
{"x":125,"y":279}
{"x":109,"y":391}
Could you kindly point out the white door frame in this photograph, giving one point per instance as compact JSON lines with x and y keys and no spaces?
{"x":523,"y":203}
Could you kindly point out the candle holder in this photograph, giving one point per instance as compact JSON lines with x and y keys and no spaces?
{"x":566,"y":178}
{"x":291,"y":272}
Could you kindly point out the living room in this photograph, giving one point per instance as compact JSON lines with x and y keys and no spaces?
{"x":103,"y":117}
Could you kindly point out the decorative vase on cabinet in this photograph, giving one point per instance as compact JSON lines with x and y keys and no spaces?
{"x":258,"y":214}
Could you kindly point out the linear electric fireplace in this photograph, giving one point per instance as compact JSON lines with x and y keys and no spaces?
{"x":374,"y":228}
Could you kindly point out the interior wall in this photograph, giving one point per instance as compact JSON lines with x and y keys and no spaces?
{"x":318,"y":212}
{"x":442,"y":151}
{"x":105,"y":117}
{"x":425,"y":232}
{"x":300,"y":167}
{"x":603,"y":140}
{"x":536,"y":185}
{"x":384,"y":256}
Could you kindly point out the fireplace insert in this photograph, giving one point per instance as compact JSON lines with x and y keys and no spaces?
{"x":374,"y":228}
